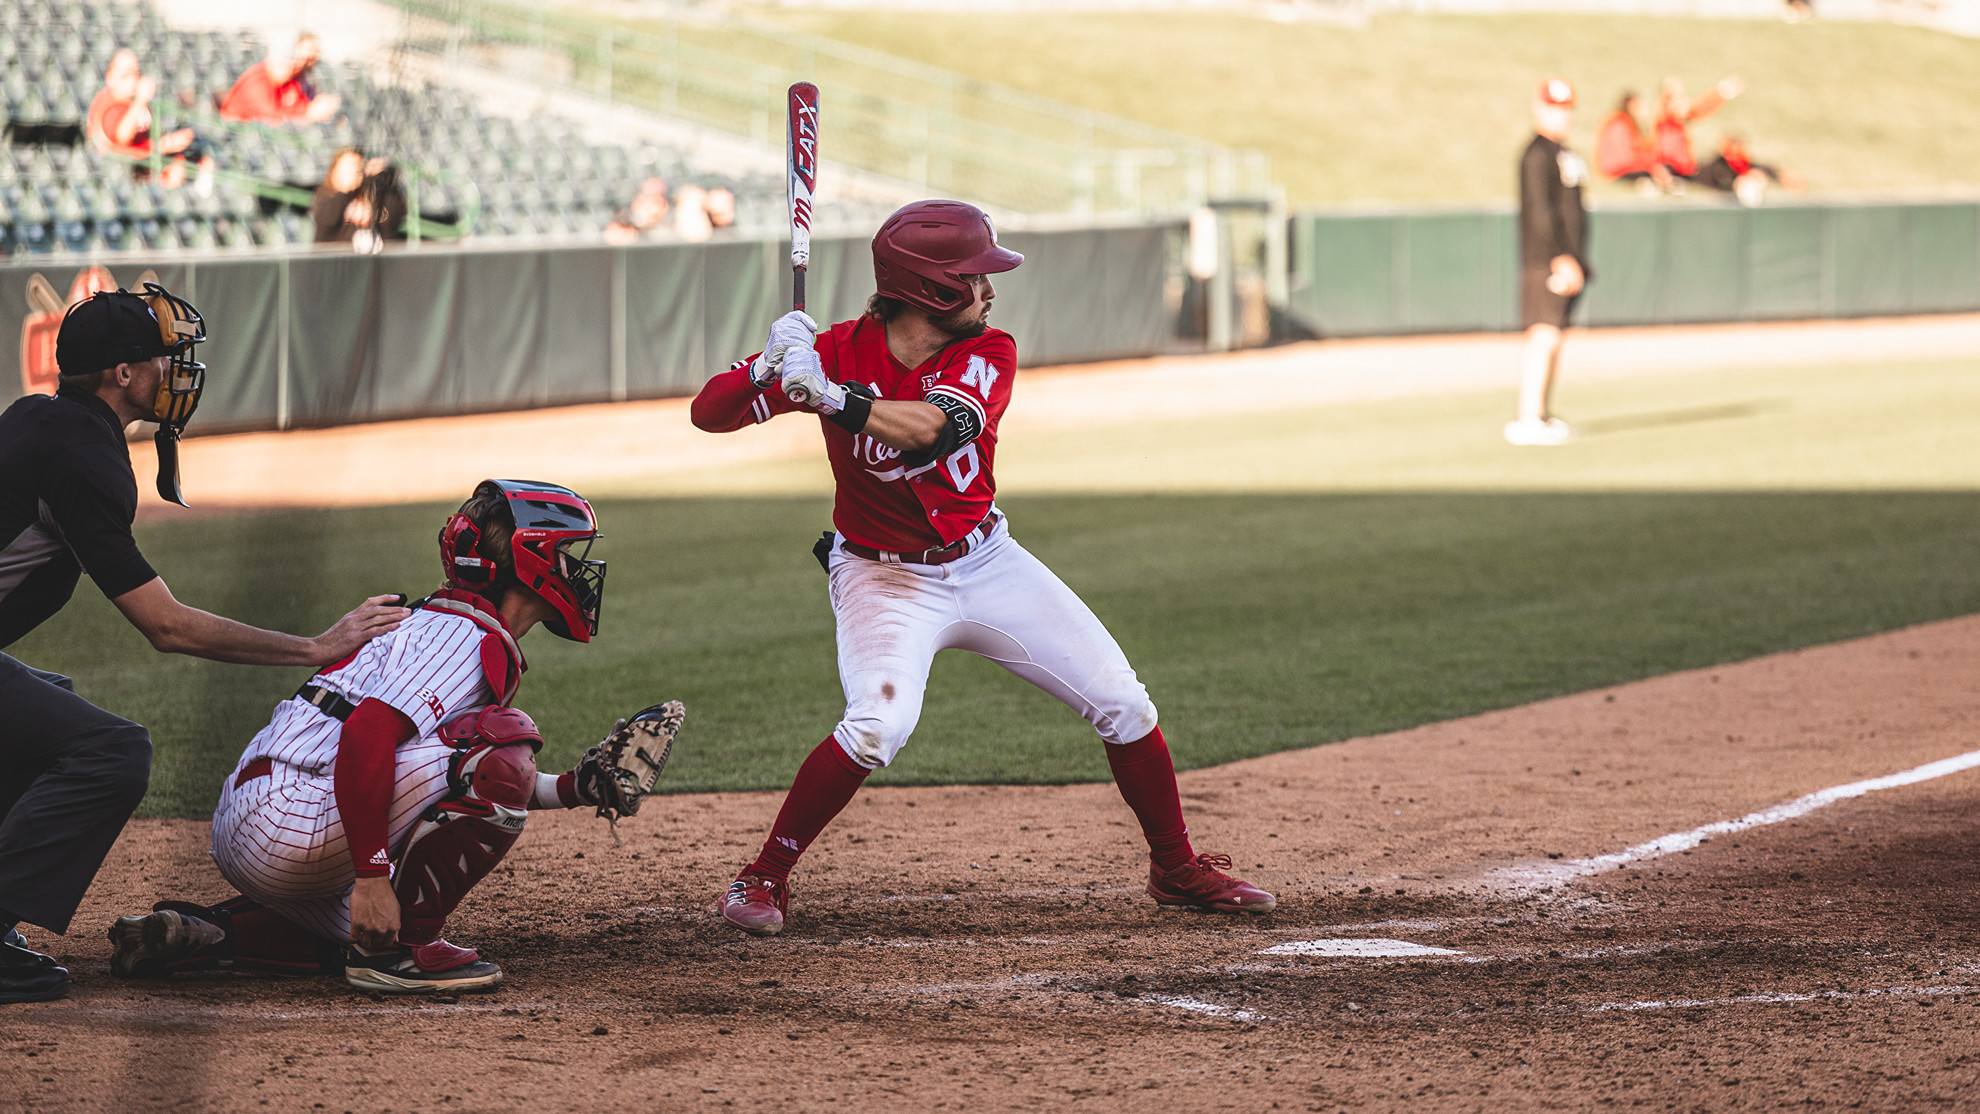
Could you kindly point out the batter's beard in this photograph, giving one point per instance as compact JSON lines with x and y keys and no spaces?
{"x":960,"y":329}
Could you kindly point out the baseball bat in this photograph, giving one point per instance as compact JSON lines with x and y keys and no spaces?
{"x":801,"y":158}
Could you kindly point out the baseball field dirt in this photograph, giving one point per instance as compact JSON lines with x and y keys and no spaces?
{"x":988,"y":948}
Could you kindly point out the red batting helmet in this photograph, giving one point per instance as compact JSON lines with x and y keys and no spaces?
{"x":924,"y":249}
{"x":550,"y":547}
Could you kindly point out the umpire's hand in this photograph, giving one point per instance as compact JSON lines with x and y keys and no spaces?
{"x":375,"y":616}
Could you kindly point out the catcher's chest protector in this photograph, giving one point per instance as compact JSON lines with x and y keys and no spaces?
{"x":501,"y":659}
{"x":459,"y":840}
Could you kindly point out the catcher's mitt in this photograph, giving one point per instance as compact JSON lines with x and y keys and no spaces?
{"x":622,"y":768}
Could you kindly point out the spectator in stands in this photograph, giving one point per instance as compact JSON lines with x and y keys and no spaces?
{"x":691,"y":221}
{"x":721,"y":203}
{"x":1553,"y":258}
{"x":1623,"y":152}
{"x":359,"y":203}
{"x":1735,"y":172}
{"x":646,"y":212}
{"x":1677,"y":113}
{"x":277,"y":89}
{"x":120,"y":124}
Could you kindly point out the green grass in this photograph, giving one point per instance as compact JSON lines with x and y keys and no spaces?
{"x":1433,"y":108}
{"x":1260,"y":622}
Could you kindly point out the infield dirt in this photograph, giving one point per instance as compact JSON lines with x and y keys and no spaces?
{"x":989,"y":948}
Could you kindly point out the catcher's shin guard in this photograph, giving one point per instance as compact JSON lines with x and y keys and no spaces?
{"x":459,"y":840}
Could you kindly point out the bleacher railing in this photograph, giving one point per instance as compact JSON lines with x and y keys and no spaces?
{"x":942,"y":132}
{"x":417,"y":226}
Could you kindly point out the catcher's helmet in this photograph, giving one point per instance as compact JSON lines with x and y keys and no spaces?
{"x":924,"y":249}
{"x":550,"y":547}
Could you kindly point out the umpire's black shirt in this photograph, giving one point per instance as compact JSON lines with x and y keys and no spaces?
{"x":67,"y":498}
{"x":1551,"y":220}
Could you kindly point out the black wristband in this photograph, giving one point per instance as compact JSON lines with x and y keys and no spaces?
{"x":857,"y":410}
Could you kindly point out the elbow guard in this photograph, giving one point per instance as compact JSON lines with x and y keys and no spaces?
{"x":963,"y":424}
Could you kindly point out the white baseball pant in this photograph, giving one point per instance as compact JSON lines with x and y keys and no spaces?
{"x":999,"y":602}
{"x":280,"y":840}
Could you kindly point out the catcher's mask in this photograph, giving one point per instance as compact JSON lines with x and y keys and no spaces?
{"x":180,"y":329}
{"x":550,"y":547}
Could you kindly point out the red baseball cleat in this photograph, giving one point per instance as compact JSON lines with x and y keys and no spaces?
{"x":756,"y":904}
{"x":1202,"y":884}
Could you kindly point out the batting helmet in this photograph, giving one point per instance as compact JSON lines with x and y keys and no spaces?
{"x":924,"y":249}
{"x":549,"y":549}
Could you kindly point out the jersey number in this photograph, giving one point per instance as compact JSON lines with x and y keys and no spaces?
{"x":980,"y":373}
{"x":956,"y":461}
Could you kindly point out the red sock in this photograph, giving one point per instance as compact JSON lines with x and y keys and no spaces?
{"x":1147,"y":780}
{"x":824,"y":785}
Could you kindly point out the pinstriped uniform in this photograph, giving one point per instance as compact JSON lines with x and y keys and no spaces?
{"x":279,"y":838}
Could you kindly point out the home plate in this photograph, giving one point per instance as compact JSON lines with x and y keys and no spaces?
{"x":1363,"y":948}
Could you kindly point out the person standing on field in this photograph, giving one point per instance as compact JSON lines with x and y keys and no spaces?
{"x":71,"y":773}
{"x":909,"y":395}
{"x":1553,"y":258}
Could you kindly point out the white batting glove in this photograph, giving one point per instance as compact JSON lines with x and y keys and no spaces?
{"x":793,"y":330}
{"x":804,"y":382}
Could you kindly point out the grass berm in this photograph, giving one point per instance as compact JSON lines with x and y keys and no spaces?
{"x":1433,"y":108}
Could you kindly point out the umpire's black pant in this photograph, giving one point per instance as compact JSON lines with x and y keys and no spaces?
{"x":70,"y":775}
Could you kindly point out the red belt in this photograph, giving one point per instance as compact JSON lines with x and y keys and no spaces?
{"x":954,"y":551}
{"x":260,"y":767}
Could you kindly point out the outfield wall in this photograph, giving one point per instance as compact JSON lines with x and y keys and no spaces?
{"x":1430,"y":272}
{"x":312,"y":339}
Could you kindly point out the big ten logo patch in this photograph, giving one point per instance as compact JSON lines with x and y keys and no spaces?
{"x":433,"y":702}
{"x":44,"y":322}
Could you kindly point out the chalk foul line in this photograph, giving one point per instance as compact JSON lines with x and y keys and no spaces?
{"x":1534,"y":876}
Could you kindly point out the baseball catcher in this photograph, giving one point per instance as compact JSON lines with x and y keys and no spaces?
{"x":396,"y":779}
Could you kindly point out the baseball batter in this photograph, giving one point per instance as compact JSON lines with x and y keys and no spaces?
{"x":909,"y":396}
{"x":397,"y":778}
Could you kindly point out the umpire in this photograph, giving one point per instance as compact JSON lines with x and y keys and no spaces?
{"x":1553,"y":258}
{"x":71,"y":773}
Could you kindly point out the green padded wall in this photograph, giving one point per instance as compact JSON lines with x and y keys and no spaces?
{"x":1392,"y":273}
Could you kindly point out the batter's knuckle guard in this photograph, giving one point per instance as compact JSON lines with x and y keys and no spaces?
{"x":620,"y":771}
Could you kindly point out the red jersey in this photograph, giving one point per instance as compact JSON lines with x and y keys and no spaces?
{"x":105,"y":113}
{"x":882,"y":501}
{"x":1674,"y":146}
{"x":1623,"y":148}
{"x":256,"y":98}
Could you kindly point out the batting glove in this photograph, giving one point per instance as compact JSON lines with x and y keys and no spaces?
{"x":793,"y":330}
{"x":805,"y":383}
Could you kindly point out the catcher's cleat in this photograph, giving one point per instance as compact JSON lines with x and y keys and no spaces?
{"x":434,"y":968}
{"x":1202,"y":884}
{"x":28,"y":976}
{"x":148,"y":944}
{"x":756,"y":904}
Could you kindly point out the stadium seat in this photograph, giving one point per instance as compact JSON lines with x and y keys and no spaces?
{"x":531,"y":174}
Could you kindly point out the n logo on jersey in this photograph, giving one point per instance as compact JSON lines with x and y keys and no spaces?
{"x":981,"y":374}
